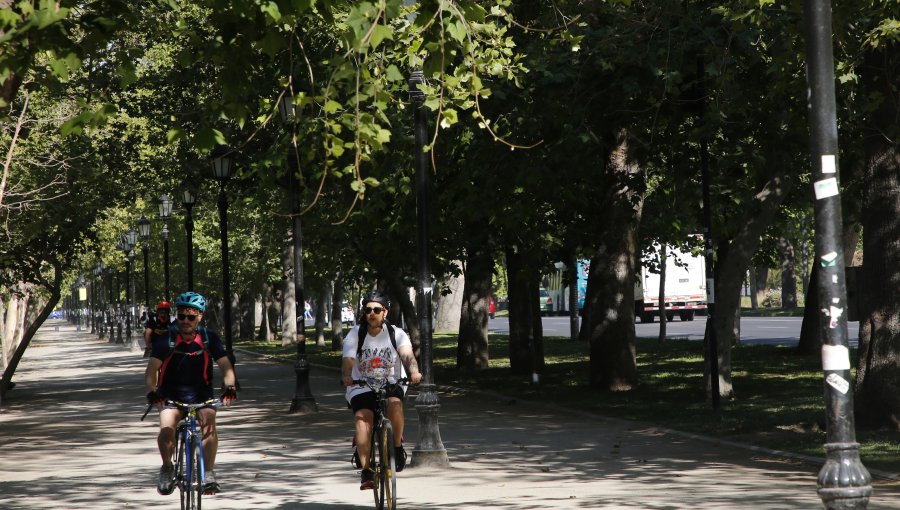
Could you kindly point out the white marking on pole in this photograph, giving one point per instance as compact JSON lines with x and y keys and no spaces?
{"x":826,"y":188}
{"x":835,"y":357}
{"x":837,"y":382}
{"x":828,"y":164}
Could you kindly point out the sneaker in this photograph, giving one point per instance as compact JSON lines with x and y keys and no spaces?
{"x":399,"y":458}
{"x":210,"y":485}
{"x":166,"y":483}
{"x":366,"y":479}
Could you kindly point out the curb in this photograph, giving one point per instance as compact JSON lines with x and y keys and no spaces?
{"x":806,"y":459}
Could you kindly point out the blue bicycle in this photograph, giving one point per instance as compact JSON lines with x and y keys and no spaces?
{"x":190,"y":468}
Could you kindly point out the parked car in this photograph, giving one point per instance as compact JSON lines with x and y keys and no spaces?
{"x":546,"y":302}
{"x":347,"y":315}
{"x":492,"y":307}
{"x":56,"y":314}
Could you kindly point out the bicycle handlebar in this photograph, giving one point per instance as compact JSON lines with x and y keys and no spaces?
{"x":365,"y":382}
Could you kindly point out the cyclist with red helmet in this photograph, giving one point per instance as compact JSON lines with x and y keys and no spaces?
{"x":157,"y":325}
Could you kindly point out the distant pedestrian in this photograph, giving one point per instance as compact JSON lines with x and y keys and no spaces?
{"x":307,"y":310}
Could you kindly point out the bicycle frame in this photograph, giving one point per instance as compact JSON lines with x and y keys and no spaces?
{"x":381,"y":446}
{"x":190,"y":476}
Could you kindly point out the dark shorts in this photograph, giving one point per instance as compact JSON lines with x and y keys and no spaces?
{"x":367,"y":400}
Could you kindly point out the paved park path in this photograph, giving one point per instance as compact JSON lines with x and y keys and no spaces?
{"x":70,"y":438}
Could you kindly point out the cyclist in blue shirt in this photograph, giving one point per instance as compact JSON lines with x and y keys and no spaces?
{"x":180,"y":369}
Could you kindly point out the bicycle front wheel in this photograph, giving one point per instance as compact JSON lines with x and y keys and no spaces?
{"x":196,"y":475}
{"x":388,"y":477}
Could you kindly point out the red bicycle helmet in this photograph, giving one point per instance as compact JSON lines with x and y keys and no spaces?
{"x":164,"y":305}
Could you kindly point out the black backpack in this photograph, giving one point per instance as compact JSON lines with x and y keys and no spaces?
{"x":363,"y":331}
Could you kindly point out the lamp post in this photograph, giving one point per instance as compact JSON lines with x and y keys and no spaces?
{"x":144,"y":230}
{"x":843,"y":481}
{"x":188,"y":199}
{"x":131,"y":239}
{"x":165,"y":212}
{"x":429,"y":449}
{"x":220,"y":162}
{"x":303,"y":401}
{"x":119,"y":313}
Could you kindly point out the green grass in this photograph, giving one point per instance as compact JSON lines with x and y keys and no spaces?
{"x":779,"y":396}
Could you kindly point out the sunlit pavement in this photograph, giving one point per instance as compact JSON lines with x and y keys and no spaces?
{"x":70,"y":438}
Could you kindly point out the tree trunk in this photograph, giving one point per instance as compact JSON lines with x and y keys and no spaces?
{"x":878,"y":365}
{"x":472,"y":347}
{"x":662,"y":292}
{"x":321,"y":303}
{"x":521,"y":322}
{"x":572,"y":277}
{"x":405,"y":308}
{"x":288,"y":299}
{"x":10,"y":370}
{"x":732,"y":262}
{"x":788,"y":276}
{"x":449,"y":308}
{"x":754,"y":297}
{"x":337,"y":302}
{"x":610,"y":288}
{"x":762,"y":279}
{"x":810,"y":340}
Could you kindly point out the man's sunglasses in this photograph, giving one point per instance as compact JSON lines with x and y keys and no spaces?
{"x":376,"y":309}
{"x":183,"y":316}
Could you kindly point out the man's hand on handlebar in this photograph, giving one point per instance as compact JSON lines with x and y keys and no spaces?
{"x":347,"y":380}
{"x":229,"y":396}
{"x":153,"y":398}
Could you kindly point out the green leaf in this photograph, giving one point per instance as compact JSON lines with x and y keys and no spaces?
{"x":380,"y":33}
{"x":208,"y":137}
{"x":332,"y":106}
{"x":175,"y":134}
{"x":271,"y":8}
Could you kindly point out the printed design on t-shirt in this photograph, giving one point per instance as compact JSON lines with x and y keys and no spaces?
{"x":378,"y":363}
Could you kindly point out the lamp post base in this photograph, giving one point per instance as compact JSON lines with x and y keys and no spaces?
{"x":429,"y":451}
{"x":303,"y":401}
{"x":844,"y":483}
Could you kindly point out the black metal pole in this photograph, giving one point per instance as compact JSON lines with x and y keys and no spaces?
{"x":119,"y":339}
{"x":110,"y":311}
{"x":189,"y":229}
{"x":303,"y":401}
{"x":843,"y":481}
{"x":708,"y":245}
{"x":128,"y":297}
{"x":165,"y":234}
{"x":226,"y":275}
{"x":429,"y":450}
{"x":146,"y":250}
{"x":91,"y":297}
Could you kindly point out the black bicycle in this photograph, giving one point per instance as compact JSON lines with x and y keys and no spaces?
{"x":190,"y":468}
{"x":381,"y":452}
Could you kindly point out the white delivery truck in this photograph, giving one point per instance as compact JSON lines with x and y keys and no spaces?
{"x":685,"y":288}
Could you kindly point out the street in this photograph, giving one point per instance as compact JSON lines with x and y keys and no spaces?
{"x":754,"y":330}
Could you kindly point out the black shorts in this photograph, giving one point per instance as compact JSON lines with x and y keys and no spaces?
{"x":367,"y":400}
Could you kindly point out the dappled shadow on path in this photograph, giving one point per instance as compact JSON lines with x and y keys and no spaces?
{"x":70,"y":438}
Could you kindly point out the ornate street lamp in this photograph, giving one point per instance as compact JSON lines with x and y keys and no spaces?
{"x":119,"y":312}
{"x":130,"y":240}
{"x":429,"y":449}
{"x":303,"y":401}
{"x":144,"y":230}
{"x":188,"y":199}
{"x":165,"y":212}
{"x":220,"y":161}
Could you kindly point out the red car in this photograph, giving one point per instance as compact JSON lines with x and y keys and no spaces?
{"x":491,"y":307}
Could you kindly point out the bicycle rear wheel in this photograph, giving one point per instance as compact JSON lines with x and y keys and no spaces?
{"x":389,"y":472}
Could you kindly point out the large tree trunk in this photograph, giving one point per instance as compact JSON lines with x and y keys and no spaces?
{"x":662,"y":292}
{"x":321,"y":303}
{"x":878,"y":366}
{"x":788,"y":276}
{"x":754,"y":301}
{"x":337,"y":302}
{"x":472,"y":347}
{"x":732,"y":262}
{"x":610,"y":288}
{"x":521,"y":321}
{"x":449,"y":306}
{"x":30,"y":330}
{"x":406,"y":309}
{"x":288,"y":299}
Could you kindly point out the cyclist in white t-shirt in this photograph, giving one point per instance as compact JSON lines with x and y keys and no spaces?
{"x":378,"y":358}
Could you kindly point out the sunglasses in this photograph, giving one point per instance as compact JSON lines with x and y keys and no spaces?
{"x":190,"y":318}
{"x":376,"y":309}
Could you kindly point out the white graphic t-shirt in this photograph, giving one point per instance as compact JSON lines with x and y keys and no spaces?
{"x":378,"y":360}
